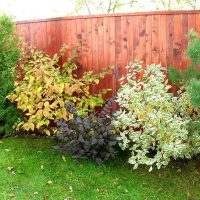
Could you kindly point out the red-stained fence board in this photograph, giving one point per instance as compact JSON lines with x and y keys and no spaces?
{"x":154,"y":37}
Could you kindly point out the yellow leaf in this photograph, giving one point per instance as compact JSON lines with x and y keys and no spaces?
{"x":28,"y":114}
{"x":64,"y":115}
{"x":96,"y":81}
{"x":47,"y":132}
{"x":40,"y":105}
{"x":46,"y":104}
{"x":32,"y":126}
{"x":46,"y":113}
{"x":71,"y":116}
{"x":39,"y":124}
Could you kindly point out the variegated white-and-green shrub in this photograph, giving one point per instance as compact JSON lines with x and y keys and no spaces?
{"x":152,"y":123}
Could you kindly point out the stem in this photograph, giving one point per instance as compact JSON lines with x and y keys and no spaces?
{"x":109,"y":6}
{"x":85,"y":2}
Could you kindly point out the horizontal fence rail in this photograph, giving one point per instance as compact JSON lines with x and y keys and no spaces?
{"x":153,"y":37}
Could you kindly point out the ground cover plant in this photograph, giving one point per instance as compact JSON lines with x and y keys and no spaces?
{"x":151,"y":123}
{"x":9,"y":55}
{"x":43,"y":87}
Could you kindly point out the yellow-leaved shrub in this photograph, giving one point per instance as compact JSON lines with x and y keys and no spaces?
{"x":43,"y":87}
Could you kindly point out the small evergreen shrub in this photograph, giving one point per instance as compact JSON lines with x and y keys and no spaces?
{"x":189,"y":79}
{"x":9,"y":55}
{"x":43,"y":87}
{"x":152,"y":123}
{"x":193,"y":49}
{"x":87,"y":136}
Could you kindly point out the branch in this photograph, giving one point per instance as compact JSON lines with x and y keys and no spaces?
{"x":109,"y":6}
{"x":87,"y":6}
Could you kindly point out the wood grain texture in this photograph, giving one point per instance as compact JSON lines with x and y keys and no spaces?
{"x":155,"y":39}
{"x":177,"y":41}
{"x":117,"y":39}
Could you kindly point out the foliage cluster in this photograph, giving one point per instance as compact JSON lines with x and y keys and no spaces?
{"x":189,"y":79}
{"x":9,"y":55}
{"x":88,"y":136}
{"x":43,"y":87}
{"x":151,"y":122}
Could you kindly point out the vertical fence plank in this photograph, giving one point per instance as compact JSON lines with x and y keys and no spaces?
{"x":100,"y":50}
{"x":136,"y":46}
{"x":44,"y":36}
{"x":118,"y":48}
{"x":184,"y":42}
{"x":84,"y":44}
{"x":142,"y":39}
{"x":95,"y":47}
{"x":112,"y":41}
{"x":79,"y":44}
{"x":177,"y":41}
{"x":63,"y":36}
{"x":69,"y":38}
{"x":148,"y":39}
{"x":130,"y":39}
{"x":95,"y":44}
{"x":170,"y":39}
{"x":73,"y":35}
{"x":155,"y":39}
{"x":24,"y":32}
{"x":100,"y":44}
{"x":124,"y":45}
{"x":197,"y":23}
{"x":107,"y":83}
{"x":163,"y":40}
{"x":51,"y":37}
{"x":89,"y":43}
{"x":191,"y":21}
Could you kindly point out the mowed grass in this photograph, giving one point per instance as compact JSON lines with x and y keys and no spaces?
{"x":29,"y":169}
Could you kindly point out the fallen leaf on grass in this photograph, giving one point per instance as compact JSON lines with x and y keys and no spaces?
{"x":11,"y":170}
{"x":70,"y":189}
{"x":7,"y":150}
{"x":49,"y":182}
{"x":44,"y":197}
{"x":12,"y":195}
{"x":64,"y":159}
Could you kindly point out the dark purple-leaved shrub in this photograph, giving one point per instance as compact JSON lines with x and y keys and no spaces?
{"x":88,"y":136}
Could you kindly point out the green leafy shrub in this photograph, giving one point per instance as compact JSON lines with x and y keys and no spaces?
{"x":150,"y":122}
{"x":43,"y":87}
{"x":9,"y":55}
{"x":87,"y":136}
{"x":189,"y":79}
{"x":193,"y":49}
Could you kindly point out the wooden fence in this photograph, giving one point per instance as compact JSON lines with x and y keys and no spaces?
{"x":116,"y":39}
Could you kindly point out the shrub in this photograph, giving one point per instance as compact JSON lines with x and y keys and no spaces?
{"x":189,"y":79}
{"x":150,"y":122}
{"x":45,"y":87}
{"x":87,"y":136}
{"x":9,"y":55}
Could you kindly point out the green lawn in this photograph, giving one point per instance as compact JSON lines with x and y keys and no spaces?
{"x":29,"y":169}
